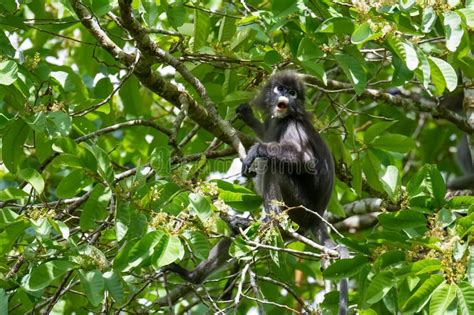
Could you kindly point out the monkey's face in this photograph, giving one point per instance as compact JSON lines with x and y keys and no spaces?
{"x":283,"y":101}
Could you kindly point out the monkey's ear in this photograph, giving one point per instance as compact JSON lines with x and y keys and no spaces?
{"x":259,"y":100}
{"x":263,"y":98}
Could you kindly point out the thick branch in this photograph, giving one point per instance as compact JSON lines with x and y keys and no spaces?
{"x":214,"y":124}
{"x":149,"y":48}
{"x":423,"y":105}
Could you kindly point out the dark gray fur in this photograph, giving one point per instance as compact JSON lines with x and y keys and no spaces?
{"x":300,"y":168}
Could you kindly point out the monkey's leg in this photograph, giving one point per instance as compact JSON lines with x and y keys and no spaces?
{"x":271,"y":193}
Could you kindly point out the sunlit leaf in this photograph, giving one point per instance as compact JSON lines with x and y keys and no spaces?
{"x":423,"y":294}
{"x":8,"y":72}
{"x":93,"y":284}
{"x":454,"y":31}
{"x":43,"y":275}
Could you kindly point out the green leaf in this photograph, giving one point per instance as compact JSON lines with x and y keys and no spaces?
{"x":177,"y":203}
{"x":453,"y":29}
{"x":176,"y":14}
{"x":283,"y":7}
{"x":113,"y":284}
{"x":3,"y":302}
{"x":468,"y":14}
{"x":379,"y":286}
{"x":402,"y":219}
{"x":390,"y":180}
{"x":60,"y":227}
{"x":309,"y":50}
{"x":239,"y":248}
{"x":144,"y":248}
{"x":446,"y":217}
{"x":238,"y":197}
{"x":376,"y":130}
{"x":14,"y":138}
{"x":404,"y":51}
{"x":428,"y":19}
{"x":167,"y":251}
{"x":12,"y":193}
{"x":390,"y":258}
{"x":272,"y":57}
{"x":201,"y":205}
{"x":202,"y":27}
{"x":337,"y":25}
{"x":394,"y":143}
{"x":345,"y":268}
{"x":160,"y":160}
{"x":104,"y":165}
{"x":7,"y":217}
{"x":199,"y":244}
{"x":419,"y":267}
{"x":442,"y":297}
{"x":465,"y":298}
{"x":356,"y":171}
{"x":371,"y":166}
{"x":461,"y":202}
{"x":427,"y":188}
{"x":363,"y":33}
{"x":8,"y":72}
{"x":72,"y":184}
{"x":58,"y":124}
{"x":424,"y":71}
{"x":93,"y":284}
{"x":244,"y":39}
{"x":470,"y":266}
{"x":227,"y":29}
{"x":10,"y":233}
{"x":335,"y":207}
{"x":422,"y":295}
{"x":316,"y":69}
{"x":442,"y":75}
{"x":237,"y":97}
{"x":33,"y":178}
{"x":354,"y":70}
{"x":43,"y":275}
{"x":122,"y":220}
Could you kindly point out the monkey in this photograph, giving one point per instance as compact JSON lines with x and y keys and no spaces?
{"x":299,"y":166}
{"x":300,"y":170}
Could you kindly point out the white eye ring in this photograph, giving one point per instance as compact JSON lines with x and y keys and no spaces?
{"x":276,"y":90}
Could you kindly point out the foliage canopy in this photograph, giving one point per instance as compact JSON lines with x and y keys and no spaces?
{"x":114,"y":115}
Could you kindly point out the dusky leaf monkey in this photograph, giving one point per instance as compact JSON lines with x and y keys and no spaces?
{"x":299,"y":170}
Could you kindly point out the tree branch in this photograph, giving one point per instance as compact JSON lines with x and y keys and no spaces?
{"x":214,"y":124}
{"x":412,"y":104}
{"x":149,"y":48}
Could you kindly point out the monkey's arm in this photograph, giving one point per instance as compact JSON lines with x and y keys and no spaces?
{"x":245,"y":113}
{"x":287,"y":153}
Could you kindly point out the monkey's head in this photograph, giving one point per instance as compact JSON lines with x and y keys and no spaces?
{"x":283,"y":95}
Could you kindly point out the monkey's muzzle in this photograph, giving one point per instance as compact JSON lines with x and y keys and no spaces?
{"x":282,"y":103}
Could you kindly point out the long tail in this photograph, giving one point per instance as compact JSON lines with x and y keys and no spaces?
{"x":322,"y":236}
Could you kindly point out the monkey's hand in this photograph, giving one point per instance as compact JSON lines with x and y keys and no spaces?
{"x":247,"y":162}
{"x":244,"y":111}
